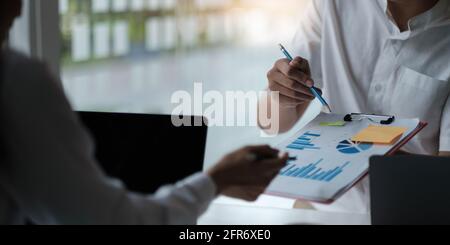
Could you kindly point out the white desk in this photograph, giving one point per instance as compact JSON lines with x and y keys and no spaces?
{"x":226,"y":214}
{"x":268,"y":210}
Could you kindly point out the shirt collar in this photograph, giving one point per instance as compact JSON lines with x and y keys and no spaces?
{"x":434,"y":16}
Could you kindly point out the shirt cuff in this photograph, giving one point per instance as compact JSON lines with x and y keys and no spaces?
{"x":203,"y":186}
{"x":445,"y":144}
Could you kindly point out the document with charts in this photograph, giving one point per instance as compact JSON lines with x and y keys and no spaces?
{"x":328,"y":163}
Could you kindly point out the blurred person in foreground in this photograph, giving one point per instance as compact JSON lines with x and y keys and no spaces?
{"x":48,"y":173}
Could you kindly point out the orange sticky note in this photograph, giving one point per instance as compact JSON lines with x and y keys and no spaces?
{"x":380,"y":134}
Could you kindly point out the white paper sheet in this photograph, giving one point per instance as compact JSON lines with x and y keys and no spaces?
{"x":334,"y":161}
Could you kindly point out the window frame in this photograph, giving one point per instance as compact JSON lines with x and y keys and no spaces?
{"x":36,"y":33}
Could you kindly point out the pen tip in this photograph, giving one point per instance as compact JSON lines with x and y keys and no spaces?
{"x":281,"y":46}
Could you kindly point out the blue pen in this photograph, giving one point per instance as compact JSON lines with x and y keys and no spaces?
{"x":314,"y":90}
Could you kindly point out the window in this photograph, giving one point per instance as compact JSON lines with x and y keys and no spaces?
{"x":131,"y":55}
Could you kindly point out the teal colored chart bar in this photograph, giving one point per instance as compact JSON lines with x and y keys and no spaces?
{"x":313,"y":172}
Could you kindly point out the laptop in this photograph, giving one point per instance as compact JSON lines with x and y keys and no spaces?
{"x":145,"y":151}
{"x":410,"y":190}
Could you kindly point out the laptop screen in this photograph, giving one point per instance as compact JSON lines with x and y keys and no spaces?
{"x":145,"y":151}
{"x":410,"y":190}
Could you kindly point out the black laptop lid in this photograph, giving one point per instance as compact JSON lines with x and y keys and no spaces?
{"x":145,"y":151}
{"x":410,"y":190}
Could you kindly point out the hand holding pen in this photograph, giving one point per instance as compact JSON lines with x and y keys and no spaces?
{"x":291,"y":77}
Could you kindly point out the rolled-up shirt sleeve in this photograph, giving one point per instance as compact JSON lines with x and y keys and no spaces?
{"x":51,"y":172}
{"x":444,"y":145}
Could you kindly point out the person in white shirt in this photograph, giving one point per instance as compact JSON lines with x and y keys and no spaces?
{"x":48,"y":173}
{"x":387,"y":57}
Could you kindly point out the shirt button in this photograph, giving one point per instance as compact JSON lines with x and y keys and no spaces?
{"x":378,"y":88}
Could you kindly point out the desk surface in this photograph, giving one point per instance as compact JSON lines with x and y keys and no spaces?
{"x":226,"y":214}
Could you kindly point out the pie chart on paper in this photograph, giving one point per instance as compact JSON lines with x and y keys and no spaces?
{"x":350,"y":147}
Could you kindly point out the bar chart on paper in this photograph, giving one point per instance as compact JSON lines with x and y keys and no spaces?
{"x":305,"y":142}
{"x":313,"y":171}
{"x":325,"y":162}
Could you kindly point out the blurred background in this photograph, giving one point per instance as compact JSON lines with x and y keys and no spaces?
{"x":131,"y":55}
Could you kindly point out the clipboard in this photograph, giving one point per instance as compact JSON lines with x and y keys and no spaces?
{"x":394,"y":150}
{"x":351,"y":118}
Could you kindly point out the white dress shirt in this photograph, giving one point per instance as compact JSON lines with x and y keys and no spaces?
{"x":48,"y":172}
{"x":364,"y":63}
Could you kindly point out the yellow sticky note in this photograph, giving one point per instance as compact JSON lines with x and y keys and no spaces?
{"x":380,"y":134}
